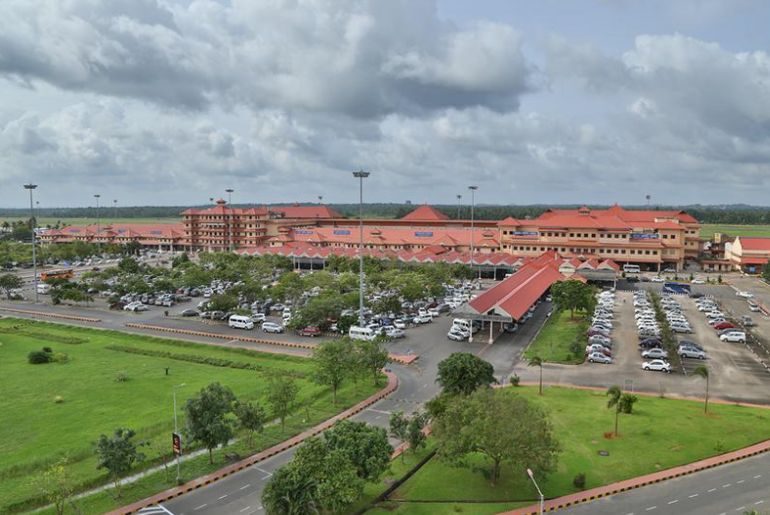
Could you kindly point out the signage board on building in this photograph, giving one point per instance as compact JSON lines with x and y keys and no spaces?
{"x":303,"y":231}
{"x":341,"y":232}
{"x":423,"y":234}
{"x":525,"y":233}
{"x":644,"y":236}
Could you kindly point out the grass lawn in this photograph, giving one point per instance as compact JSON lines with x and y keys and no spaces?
{"x":708,"y":230}
{"x":556,"y":337}
{"x":662,"y":433}
{"x":49,"y":220}
{"x":36,"y":431}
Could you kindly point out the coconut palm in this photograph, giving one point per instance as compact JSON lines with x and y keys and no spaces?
{"x":537,"y":361}
{"x":614,"y":393}
{"x":703,"y":372}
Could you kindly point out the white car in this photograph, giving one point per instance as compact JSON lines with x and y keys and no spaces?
{"x":258,"y":318}
{"x":655,"y":353}
{"x":698,"y":280}
{"x":733,"y":336}
{"x":598,"y":357}
{"x":691,"y":352}
{"x":456,"y":335}
{"x":657,"y":279}
{"x":399,"y":324}
{"x":422,"y":319}
{"x":745,"y":294}
{"x":657,"y":365}
{"x":272,"y":327}
{"x":395,"y":332}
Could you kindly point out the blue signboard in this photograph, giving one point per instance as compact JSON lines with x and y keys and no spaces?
{"x":525,"y":233}
{"x":303,"y":231}
{"x":424,"y":234}
{"x":644,"y":236}
{"x":156,"y":232}
{"x":341,"y":232}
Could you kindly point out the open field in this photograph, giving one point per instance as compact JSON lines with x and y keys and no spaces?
{"x":707,"y":230}
{"x":37,"y":431}
{"x":557,"y":336}
{"x":661,"y":433}
{"x":44,"y":221}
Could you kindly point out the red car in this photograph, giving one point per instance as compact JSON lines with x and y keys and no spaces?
{"x":724,"y":325}
{"x":310,"y":330}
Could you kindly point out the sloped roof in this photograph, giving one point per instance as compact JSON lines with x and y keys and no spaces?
{"x":754,"y":243}
{"x":425,"y":213}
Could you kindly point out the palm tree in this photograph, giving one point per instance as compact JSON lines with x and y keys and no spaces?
{"x":614,"y":394}
{"x":537,"y":361}
{"x":703,"y":371}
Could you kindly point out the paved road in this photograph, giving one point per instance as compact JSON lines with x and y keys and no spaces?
{"x":729,"y":489}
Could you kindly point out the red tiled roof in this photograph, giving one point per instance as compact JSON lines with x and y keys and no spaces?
{"x":753,"y":261}
{"x":425,"y":213}
{"x":754,"y":244}
{"x":396,"y":236}
{"x":509,"y":222}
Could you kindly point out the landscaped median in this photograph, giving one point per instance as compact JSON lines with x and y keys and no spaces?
{"x":662,"y":438}
{"x":98,"y":381}
{"x":562,"y":339}
{"x":49,"y":314}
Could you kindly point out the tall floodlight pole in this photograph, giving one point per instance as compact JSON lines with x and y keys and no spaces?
{"x":648,"y":200}
{"x":473,"y":205}
{"x":98,"y":225}
{"x":542,"y":500}
{"x":459,"y":205}
{"x":320,"y":199}
{"x":176,"y":431}
{"x":31,"y":187}
{"x":115,"y":205}
{"x":361,"y":175}
{"x":230,"y":220}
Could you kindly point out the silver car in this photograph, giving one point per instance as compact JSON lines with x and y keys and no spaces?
{"x":598,"y":357}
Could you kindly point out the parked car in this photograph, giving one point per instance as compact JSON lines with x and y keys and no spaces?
{"x":745,"y":294}
{"x":657,"y":365}
{"x":258,"y":318}
{"x":691,"y":352}
{"x":456,"y":335}
{"x":189,"y":313}
{"x":649,"y":343}
{"x":598,"y":357}
{"x":272,"y":327}
{"x":399,"y":323}
{"x":311,"y":331}
{"x":655,"y":353}
{"x":747,"y":321}
{"x":724,"y":325}
{"x":595,"y":347}
{"x":422,"y":319}
{"x":395,"y":332}
{"x":733,"y":336}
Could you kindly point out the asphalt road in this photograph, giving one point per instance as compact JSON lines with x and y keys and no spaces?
{"x":729,"y":489}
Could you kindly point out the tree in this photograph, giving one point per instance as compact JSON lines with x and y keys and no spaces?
{"x":365,"y":446}
{"x":614,"y":393}
{"x":55,"y":485}
{"x":290,"y":492}
{"x":505,"y":428}
{"x":399,"y":427}
{"x":415,"y":435}
{"x":223,"y":302}
{"x":206,"y":417}
{"x":537,"y":361}
{"x":251,"y":417}
{"x":463,"y":373}
{"x":281,"y":394}
{"x":703,"y":371}
{"x":333,"y":364}
{"x":180,"y":260}
{"x":573,"y":295}
{"x":372,"y":357}
{"x":10,"y":282}
{"x":118,"y":454}
{"x":627,"y":402}
{"x":128,"y":265}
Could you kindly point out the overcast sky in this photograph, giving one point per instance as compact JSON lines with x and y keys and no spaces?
{"x":169,"y":102}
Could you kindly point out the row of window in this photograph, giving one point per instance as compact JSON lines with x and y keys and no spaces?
{"x":526,"y":248}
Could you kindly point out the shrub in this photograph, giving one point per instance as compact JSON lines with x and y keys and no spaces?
{"x":580,"y":481}
{"x":121,"y":377}
{"x":58,"y":399}
{"x":577,"y":349}
{"x":47,"y":349}
{"x":60,"y":357}
{"x":38,"y":357}
{"x":515,"y":379}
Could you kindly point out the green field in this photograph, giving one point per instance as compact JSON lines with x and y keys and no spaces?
{"x":662,"y":433}
{"x":557,"y":336}
{"x":707,"y":230}
{"x":37,"y":431}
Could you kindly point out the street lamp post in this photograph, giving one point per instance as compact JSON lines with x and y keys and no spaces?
{"x":31,"y":187}
{"x":542,"y":499}
{"x":320,"y":199}
{"x":115,"y":205}
{"x":473,"y":203}
{"x":459,"y":205}
{"x":361,"y":175}
{"x":230,"y":218}
{"x":176,"y":431}
{"x":98,"y":224}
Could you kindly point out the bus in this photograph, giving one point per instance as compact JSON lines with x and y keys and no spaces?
{"x":631,"y":269}
{"x":680,"y":288}
{"x":57,"y":274}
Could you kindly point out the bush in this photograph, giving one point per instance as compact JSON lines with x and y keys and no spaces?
{"x":577,"y":349}
{"x":60,"y":357}
{"x":121,"y":377}
{"x":38,"y":357}
{"x":515,"y":379}
{"x":47,"y":349}
{"x":580,"y":481}
{"x":58,"y":399}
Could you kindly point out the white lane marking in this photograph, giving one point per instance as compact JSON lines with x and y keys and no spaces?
{"x":165,"y":509}
{"x":726,"y":486}
{"x":739,"y":481}
{"x":759,"y":502}
{"x":711,"y":490}
{"x":757,"y":476}
{"x":740,"y":509}
{"x":264,"y":472}
{"x":674,"y":501}
{"x":244,"y":487}
{"x":693,"y":495}
{"x":378,"y":411}
{"x":247,"y":508}
{"x":222,"y":497}
{"x":650,"y":508}
{"x":200,"y":507}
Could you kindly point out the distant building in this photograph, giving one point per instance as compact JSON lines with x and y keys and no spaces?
{"x":748,"y":254}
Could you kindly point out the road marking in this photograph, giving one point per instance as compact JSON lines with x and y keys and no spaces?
{"x":759,"y":502}
{"x":674,"y":501}
{"x":757,"y":476}
{"x":165,"y":509}
{"x":740,"y":509}
{"x":200,"y":507}
{"x":244,"y":487}
{"x":650,"y":508}
{"x":264,"y":472}
{"x":726,"y":486}
{"x":739,"y":481}
{"x":693,"y":495}
{"x":222,"y":497}
{"x":712,"y":490}
{"x":247,"y":508}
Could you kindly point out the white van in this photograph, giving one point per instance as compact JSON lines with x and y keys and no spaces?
{"x":463,"y":324}
{"x":240,"y":322}
{"x":362,"y":333}
{"x":43,"y":288}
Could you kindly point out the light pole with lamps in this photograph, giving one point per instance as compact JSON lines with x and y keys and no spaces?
{"x":320,"y":199}
{"x":361,"y":175}
{"x":98,"y":224}
{"x":473,"y":203}
{"x":115,"y":205}
{"x":32,"y":224}
{"x":542,"y":499}
{"x":176,"y":431}
{"x":459,"y":205}
{"x":230,"y":218}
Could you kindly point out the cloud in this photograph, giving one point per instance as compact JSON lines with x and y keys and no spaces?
{"x":358,"y":58}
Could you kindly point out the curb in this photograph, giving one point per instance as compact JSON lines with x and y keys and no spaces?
{"x":397,"y":358}
{"x":593,"y":494}
{"x":260,"y":456}
{"x":51,"y":315}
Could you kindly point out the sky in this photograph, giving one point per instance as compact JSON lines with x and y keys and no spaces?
{"x":170,"y":102}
